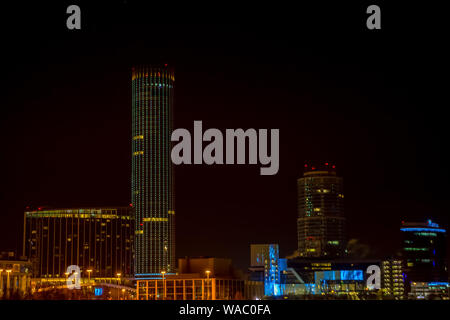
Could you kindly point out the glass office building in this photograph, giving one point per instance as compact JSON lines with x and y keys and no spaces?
{"x":97,"y":239}
{"x":152,"y":174}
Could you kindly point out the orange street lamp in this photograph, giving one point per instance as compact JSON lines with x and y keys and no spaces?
{"x":164,"y":284}
{"x":207,"y":283}
{"x":1,"y":283}
{"x":7,"y":281}
{"x":89,"y":275}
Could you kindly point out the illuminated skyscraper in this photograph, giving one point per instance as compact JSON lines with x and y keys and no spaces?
{"x":321,"y":221}
{"x":152,"y":175}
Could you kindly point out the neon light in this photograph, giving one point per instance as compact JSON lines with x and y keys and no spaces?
{"x":422,"y":229}
{"x":432,"y":224}
{"x":152,"y":274}
{"x":438,"y":284}
{"x":352,"y":275}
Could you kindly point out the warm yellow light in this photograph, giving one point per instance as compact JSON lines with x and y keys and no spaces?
{"x":119,"y":274}
{"x":1,"y":270}
{"x":8,"y":270}
{"x":123,"y":290}
{"x":163,"y":272}
{"x":208,"y":272}
{"x":89,"y":270}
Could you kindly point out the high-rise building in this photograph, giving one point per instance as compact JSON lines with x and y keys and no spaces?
{"x":424,"y":252}
{"x":97,"y":239}
{"x":152,"y":174}
{"x":321,"y":221}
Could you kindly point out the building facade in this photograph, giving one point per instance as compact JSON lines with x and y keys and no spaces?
{"x":200,"y":278}
{"x":424,"y":251}
{"x":15,"y":276}
{"x":430,"y":290}
{"x":321,"y":220}
{"x":152,"y":173}
{"x":393,"y":278}
{"x":96,"y":239}
{"x":190,"y":287}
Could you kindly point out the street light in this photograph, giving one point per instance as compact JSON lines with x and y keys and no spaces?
{"x":118,"y":274}
{"x":207,"y":282}
{"x":164,"y":284}
{"x":89,"y":275}
{"x":7,"y":282}
{"x":1,"y":283}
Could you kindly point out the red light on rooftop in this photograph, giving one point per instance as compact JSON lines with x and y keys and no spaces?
{"x":131,"y":204}
{"x":333,"y":166}
{"x":142,"y":224}
{"x":306,"y":166}
{"x":165,"y":65}
{"x":313,"y":168}
{"x":326,"y":163}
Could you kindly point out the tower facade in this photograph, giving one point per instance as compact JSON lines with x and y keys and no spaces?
{"x":424,"y":251}
{"x":321,"y":221}
{"x":152,"y":173}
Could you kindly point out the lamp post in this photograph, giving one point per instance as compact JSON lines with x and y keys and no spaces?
{"x":164,"y":284}
{"x":1,"y":283}
{"x":7,"y":282}
{"x":118,"y":277}
{"x":89,"y":276}
{"x":207,"y":283}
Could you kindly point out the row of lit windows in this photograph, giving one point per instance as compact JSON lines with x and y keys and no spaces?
{"x":49,"y":214}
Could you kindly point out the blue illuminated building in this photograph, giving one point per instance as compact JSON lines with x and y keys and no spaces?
{"x":424,"y":252}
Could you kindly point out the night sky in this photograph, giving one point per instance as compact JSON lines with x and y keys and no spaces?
{"x":368,"y":101}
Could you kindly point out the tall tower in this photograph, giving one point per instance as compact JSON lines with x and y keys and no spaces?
{"x":152,"y":173}
{"x":321,"y":221}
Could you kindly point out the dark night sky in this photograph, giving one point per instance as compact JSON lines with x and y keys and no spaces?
{"x":367,"y":100}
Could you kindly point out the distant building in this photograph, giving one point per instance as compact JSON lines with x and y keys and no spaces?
{"x":392,"y":278}
{"x":264,"y":267}
{"x":97,"y":239}
{"x":321,"y":220}
{"x":200,"y":265}
{"x":430,"y":290}
{"x":424,"y":251}
{"x":312,"y":277}
{"x":258,"y":254}
{"x":152,"y":170}
{"x":15,"y":276}
{"x":202,"y":278}
{"x":322,"y":276}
